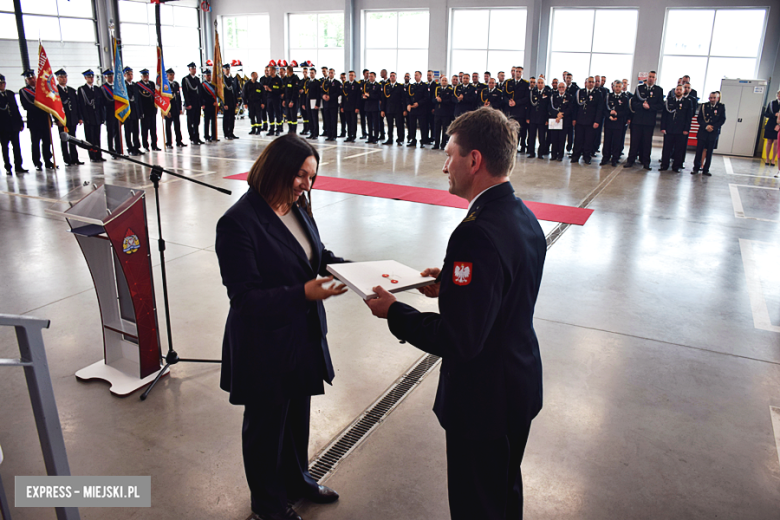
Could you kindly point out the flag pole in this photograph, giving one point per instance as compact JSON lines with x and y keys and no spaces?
{"x":216,"y":98}
{"x":51,"y":143}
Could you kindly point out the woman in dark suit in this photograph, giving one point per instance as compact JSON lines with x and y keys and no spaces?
{"x":275,"y":355}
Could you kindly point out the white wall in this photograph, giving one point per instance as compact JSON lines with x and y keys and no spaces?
{"x":74,"y":57}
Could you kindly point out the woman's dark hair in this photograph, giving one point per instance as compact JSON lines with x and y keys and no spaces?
{"x":274,"y":172}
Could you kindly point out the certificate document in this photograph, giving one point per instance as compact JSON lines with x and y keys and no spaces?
{"x":555,"y":125}
{"x":393,"y":276}
{"x":312,"y":103}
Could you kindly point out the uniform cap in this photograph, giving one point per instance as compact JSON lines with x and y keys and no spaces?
{"x":2,"y":78}
{"x":108,"y":72}
{"x":61,"y":72}
{"x":88,"y":72}
{"x":144,"y":71}
{"x":127,"y":69}
{"x":206,"y":71}
{"x":29,"y":73}
{"x":170,"y":71}
{"x":226,"y":65}
{"x":192,"y":64}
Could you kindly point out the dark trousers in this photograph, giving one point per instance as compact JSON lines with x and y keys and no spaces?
{"x":430,"y":126}
{"x":569,"y":136}
{"x":372,"y":120}
{"x":172,"y":119}
{"x":351,"y":118}
{"x":484,"y":480}
{"x":613,"y":144}
{"x":557,"y":142}
{"x":674,"y":150}
{"x":10,"y":137}
{"x":524,"y":127}
{"x":363,"y":123}
{"x":583,"y":142}
{"x":264,"y":117}
{"x":131,"y":135}
{"x":597,"y":138}
{"x":343,"y":119}
{"x":535,"y":129}
{"x":41,"y":142}
{"x":292,"y":118}
{"x":209,"y":123}
{"x":228,"y":120}
{"x":275,"y":442}
{"x":254,"y":116}
{"x":440,"y":126}
{"x":330,"y":121}
{"x":641,"y":144}
{"x":193,"y":122}
{"x":418,"y":120}
{"x":381,"y":126}
{"x":69,"y":152}
{"x":92,"y":134}
{"x":395,"y":120}
{"x":274,"y":107}
{"x":314,"y":122}
{"x":149,"y":128}
{"x":114,"y":137}
{"x":708,"y":144}
{"x":305,"y":116}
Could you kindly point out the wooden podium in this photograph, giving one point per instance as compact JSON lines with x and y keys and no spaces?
{"x":110,"y":227}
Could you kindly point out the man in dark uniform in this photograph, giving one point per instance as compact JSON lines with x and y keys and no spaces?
{"x":711,"y":117}
{"x":136,"y":115}
{"x":432,"y":85}
{"x":109,"y":113}
{"x":408,"y":116}
{"x":362,"y":105}
{"x":146,"y":91}
{"x":417,"y":104}
{"x":373,"y":98}
{"x":648,"y":99}
{"x":39,"y":123}
{"x":273,"y":103}
{"x":559,"y":108}
{"x":693,"y":93}
{"x":313,"y":101}
{"x":383,"y":79}
{"x":602,"y":88}
{"x":342,"y":117}
{"x":516,"y":95}
{"x":571,"y":88}
{"x":11,"y":124}
{"x":190,"y":85}
{"x":393,"y":110}
{"x":253,"y":99}
{"x":90,"y":102}
{"x":331,"y":88}
{"x":492,"y":96}
{"x":589,"y":106}
{"x":614,"y":125}
{"x":464,"y":96}
{"x":675,"y":126}
{"x":537,"y":118}
{"x":231,"y":92}
{"x":208,"y":96}
{"x":490,"y":386}
{"x":174,"y":112}
{"x":443,"y":111}
{"x":291,"y":87}
{"x":350,"y":93}
{"x":70,"y":107}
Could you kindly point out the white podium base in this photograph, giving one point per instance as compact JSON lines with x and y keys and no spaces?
{"x":121,"y":383}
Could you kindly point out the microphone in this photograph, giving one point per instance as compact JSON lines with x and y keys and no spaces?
{"x":67,"y":138}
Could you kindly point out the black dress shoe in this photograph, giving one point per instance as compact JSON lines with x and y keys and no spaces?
{"x":603,"y":163}
{"x":50,"y":166}
{"x":586,"y":161}
{"x":435,"y":147}
{"x":628,"y":165}
{"x":169,"y":146}
{"x":614,"y":164}
{"x":412,"y":144}
{"x":350,"y":140}
{"x":708,"y":174}
{"x":387,"y":142}
{"x":694,"y":171}
{"x":181,"y":145}
{"x":560,"y":158}
{"x":9,"y":171}
{"x":663,"y":168}
{"x":215,"y":140}
{"x":531,"y":155}
{"x":342,"y":136}
{"x":38,"y":167}
{"x":322,"y":495}
{"x":676,"y":170}
{"x":154,"y":148}
{"x":647,"y":167}
{"x":234,"y":136}
{"x":287,"y":514}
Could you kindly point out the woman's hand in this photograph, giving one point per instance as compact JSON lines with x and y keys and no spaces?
{"x":316,"y":290}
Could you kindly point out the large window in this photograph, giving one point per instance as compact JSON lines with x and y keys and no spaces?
{"x":7,"y":21}
{"x":486,"y":40}
{"x":179,"y":30}
{"x":56,"y":20}
{"x":395,"y":40}
{"x":586,"y":42}
{"x":709,"y":45}
{"x":247,"y":38}
{"x":317,"y":37}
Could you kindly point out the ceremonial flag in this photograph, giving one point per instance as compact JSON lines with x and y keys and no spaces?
{"x":162,"y":94}
{"x":219,"y":78}
{"x":121,"y":100}
{"x":47,"y":97}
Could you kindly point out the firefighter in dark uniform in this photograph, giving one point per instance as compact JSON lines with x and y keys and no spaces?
{"x":11,"y":124}
{"x":537,"y":118}
{"x":146,"y":91}
{"x":190,"y":86}
{"x":383,"y":79}
{"x":432,"y":85}
{"x":313,"y":101}
{"x":464,"y":97}
{"x":615,"y":119}
{"x":292,"y":85}
{"x":136,"y":115}
{"x":600,"y":130}
{"x":417,"y":104}
{"x":350,"y":93}
{"x":589,"y":106}
{"x":490,"y":385}
{"x":443,"y":111}
{"x":264,"y":103}
{"x":516,"y":97}
{"x":712,"y":115}
{"x":342,"y":117}
{"x":373,"y":98}
{"x":362,"y":105}
{"x":492,"y":96}
{"x":675,"y":126}
{"x":331,"y":88}
{"x":90,"y":104}
{"x":253,"y":99}
{"x":571,"y":88}
{"x":208,"y":96}
{"x":559,"y":108}
{"x":174,"y":112}
{"x":39,"y":123}
{"x":70,"y":107}
{"x":109,"y":114}
{"x":393,"y":110}
{"x":273,"y":104}
{"x":231,"y":92}
{"x":647,"y":101}
{"x":302,"y":100}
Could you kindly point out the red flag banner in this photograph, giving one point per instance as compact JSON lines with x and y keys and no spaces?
{"x":47,"y":97}
{"x":162,"y":94}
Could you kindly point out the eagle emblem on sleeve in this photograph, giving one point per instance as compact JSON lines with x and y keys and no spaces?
{"x":462,"y":272}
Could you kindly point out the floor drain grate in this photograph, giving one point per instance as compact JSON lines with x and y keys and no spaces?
{"x":353,"y":435}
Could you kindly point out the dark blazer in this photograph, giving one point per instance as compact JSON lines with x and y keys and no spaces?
{"x":589,"y":107}
{"x":711,"y":115}
{"x":274,"y":345}
{"x":491,"y":373}
{"x":677,"y":116}
{"x":394,"y":98}
{"x":90,"y":104}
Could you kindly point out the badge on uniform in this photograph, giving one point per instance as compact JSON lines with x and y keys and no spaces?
{"x":461,"y":273}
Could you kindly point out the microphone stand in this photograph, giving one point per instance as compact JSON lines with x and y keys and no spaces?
{"x":171,"y":358}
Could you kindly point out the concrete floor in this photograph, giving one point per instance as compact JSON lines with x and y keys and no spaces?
{"x":660,"y":362}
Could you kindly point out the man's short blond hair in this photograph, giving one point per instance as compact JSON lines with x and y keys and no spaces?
{"x":492,"y":134}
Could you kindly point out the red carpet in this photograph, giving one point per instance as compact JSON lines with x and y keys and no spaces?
{"x":549,"y":212}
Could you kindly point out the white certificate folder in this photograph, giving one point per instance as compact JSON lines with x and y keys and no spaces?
{"x":393,"y":276}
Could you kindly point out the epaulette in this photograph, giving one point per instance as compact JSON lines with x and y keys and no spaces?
{"x":473,"y":214}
